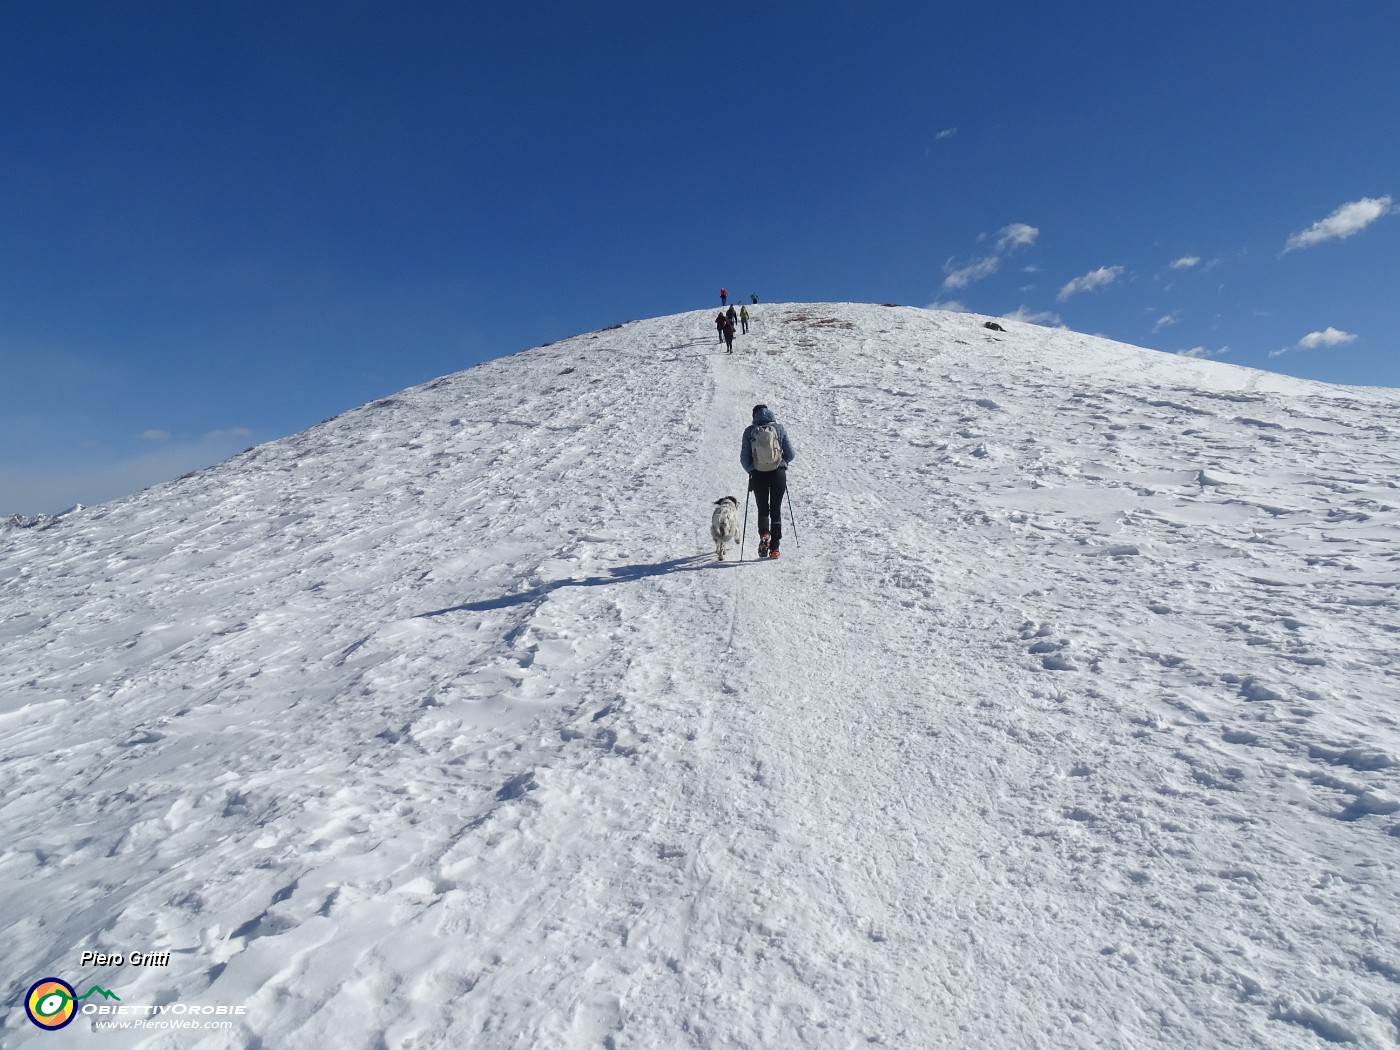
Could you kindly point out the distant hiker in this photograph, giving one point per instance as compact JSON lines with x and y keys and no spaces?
{"x":723,"y":296}
{"x":727,"y":331}
{"x":720,"y":320}
{"x":765,"y":454}
{"x":753,"y":298}
{"x":732,"y":315}
{"x":744,"y":319}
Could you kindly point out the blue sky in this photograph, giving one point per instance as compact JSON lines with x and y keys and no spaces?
{"x":221,"y":222}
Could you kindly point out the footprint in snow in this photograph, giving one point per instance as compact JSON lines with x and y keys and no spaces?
{"x":1255,"y":691}
{"x":517,"y":786}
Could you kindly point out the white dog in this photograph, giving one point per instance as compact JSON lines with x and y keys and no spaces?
{"x":724,"y":524}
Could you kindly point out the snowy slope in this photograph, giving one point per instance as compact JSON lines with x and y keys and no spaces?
{"x":1067,"y":720}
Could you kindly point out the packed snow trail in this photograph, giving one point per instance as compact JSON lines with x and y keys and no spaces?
{"x":1068,"y":723}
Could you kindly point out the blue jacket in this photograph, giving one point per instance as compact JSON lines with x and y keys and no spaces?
{"x":746,"y":448}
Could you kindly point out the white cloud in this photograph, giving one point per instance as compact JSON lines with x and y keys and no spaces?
{"x":1327,"y":337}
{"x":1044,"y":317}
{"x":1017,"y":235}
{"x":1186,"y":262}
{"x":1347,"y":220}
{"x":946,"y":133}
{"x":1009,"y":239}
{"x":1200,"y":351}
{"x":951,"y":305}
{"x":1165,"y":321}
{"x":964,"y":276}
{"x":1100,"y":278}
{"x":155,"y":435}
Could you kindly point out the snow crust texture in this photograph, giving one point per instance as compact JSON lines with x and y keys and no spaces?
{"x":1068,"y":718}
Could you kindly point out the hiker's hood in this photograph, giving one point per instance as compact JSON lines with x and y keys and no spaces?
{"x":763,"y":414}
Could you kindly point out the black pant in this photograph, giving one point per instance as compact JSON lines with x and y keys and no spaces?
{"x":769,"y":488}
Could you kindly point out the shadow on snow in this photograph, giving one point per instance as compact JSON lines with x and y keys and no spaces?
{"x":621,"y":574}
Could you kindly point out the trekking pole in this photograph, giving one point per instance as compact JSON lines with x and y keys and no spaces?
{"x":792,"y":514}
{"x":745,"y":533}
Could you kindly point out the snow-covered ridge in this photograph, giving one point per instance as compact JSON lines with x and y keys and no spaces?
{"x":1069,"y":722}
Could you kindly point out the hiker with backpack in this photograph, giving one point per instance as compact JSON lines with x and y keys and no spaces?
{"x":733,"y":315}
{"x":727,"y":331}
{"x":744,"y":319}
{"x":720,"y":320}
{"x":723,"y":296}
{"x":765,"y":454}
